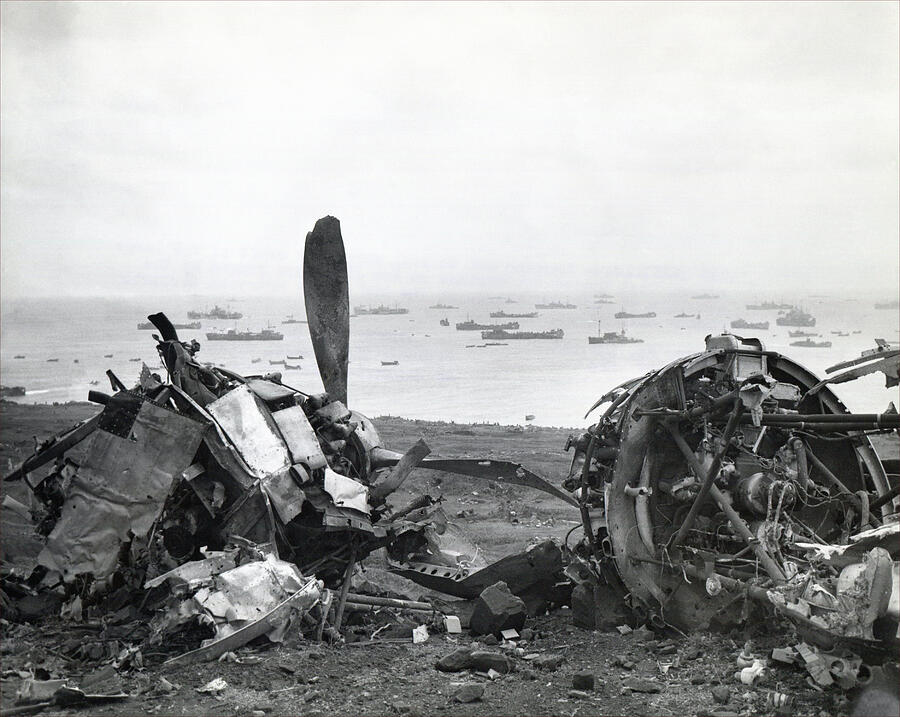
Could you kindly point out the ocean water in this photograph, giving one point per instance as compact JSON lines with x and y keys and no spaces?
{"x":438,"y":377}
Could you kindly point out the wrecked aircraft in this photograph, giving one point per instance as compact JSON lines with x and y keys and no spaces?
{"x":179,"y":472}
{"x":734,"y":474}
{"x":727,"y":478}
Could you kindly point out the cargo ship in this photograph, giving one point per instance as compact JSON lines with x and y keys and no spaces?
{"x":380,"y":310}
{"x":810,"y":344}
{"x":555,"y":305}
{"x":472,"y":326}
{"x":743,"y":324}
{"x":796,"y":317}
{"x":769,"y":306}
{"x":501,"y":334}
{"x":504,"y":315}
{"x":705,"y":296}
{"x":443,"y":306}
{"x":626,"y":315}
{"x":217,"y":312}
{"x":888,"y":304}
{"x":147,"y":326}
{"x":613,"y":337}
{"x":233,"y":335}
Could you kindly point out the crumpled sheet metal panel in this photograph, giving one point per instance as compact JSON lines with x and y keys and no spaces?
{"x":346,"y":492}
{"x":242,"y":420}
{"x":120,"y":489}
{"x":300,"y":437}
{"x":286,"y":497}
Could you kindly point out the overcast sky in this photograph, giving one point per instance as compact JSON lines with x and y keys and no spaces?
{"x":155,"y":147}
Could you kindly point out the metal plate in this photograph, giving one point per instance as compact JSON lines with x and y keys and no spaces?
{"x":300,"y":438}
{"x":240,"y":417}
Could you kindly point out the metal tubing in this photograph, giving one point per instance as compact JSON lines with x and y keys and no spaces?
{"x":740,"y":527}
{"x":736,"y":521}
{"x":886,"y":498}
{"x":836,"y":482}
{"x":389,"y":602}
{"x":585,"y":492}
{"x":363,"y":607}
{"x":711,"y":474}
{"x":799,"y":448}
{"x":345,"y":589}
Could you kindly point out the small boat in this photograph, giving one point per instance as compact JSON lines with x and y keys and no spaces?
{"x":529,"y":416}
{"x":705,"y":296}
{"x":390,"y":363}
{"x":266,"y":334}
{"x":800,"y":333}
{"x":505,"y":315}
{"x":495,"y":343}
{"x":474,"y":326}
{"x":683,"y":315}
{"x":276,"y":363}
{"x":107,"y":355}
{"x":53,"y":360}
{"x":75,"y":361}
{"x":134,"y":360}
{"x":502,"y":334}
{"x":770,"y":306}
{"x":556,"y":305}
{"x":603,"y":301}
{"x":445,"y":322}
{"x":19,"y":356}
{"x":611,"y":337}
{"x":295,"y":357}
{"x":796,"y":317}
{"x":840,"y":333}
{"x":291,"y":320}
{"x":95,"y":383}
{"x":292,"y":367}
{"x":443,"y":306}
{"x":256,"y":360}
{"x":858,"y":331}
{"x":810,"y":344}
{"x":626,"y":315}
{"x":744,"y":324}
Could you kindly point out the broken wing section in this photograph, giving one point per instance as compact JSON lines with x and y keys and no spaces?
{"x":120,"y":489}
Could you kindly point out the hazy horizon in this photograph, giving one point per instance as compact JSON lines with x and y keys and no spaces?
{"x":186,"y":148}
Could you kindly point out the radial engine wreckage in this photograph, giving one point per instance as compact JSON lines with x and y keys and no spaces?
{"x":178,"y":480}
{"x":735,"y":476}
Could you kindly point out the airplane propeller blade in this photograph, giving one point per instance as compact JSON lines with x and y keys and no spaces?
{"x":485,"y":468}
{"x":325,"y":290}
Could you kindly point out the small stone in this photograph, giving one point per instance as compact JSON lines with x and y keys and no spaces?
{"x":457,"y":661}
{"x":578,"y":694}
{"x":527,"y":634}
{"x":667,"y":650}
{"x":484,"y":660}
{"x":496,"y":609}
{"x":469,"y":692}
{"x":698,"y":680}
{"x":635,"y":684}
{"x":258,"y":713}
{"x":548,"y":662}
{"x":529,"y":675}
{"x":583,"y":681}
{"x":721,"y":694}
{"x":491,"y":640}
